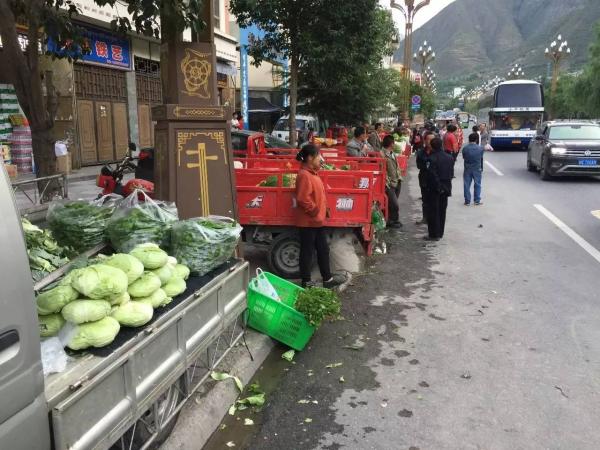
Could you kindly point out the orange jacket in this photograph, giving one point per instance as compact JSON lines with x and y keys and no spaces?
{"x":311,"y":207}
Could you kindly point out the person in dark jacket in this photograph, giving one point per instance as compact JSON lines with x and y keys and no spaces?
{"x":393,"y":182}
{"x":310,"y":215}
{"x":473,"y":156}
{"x":422,"y":158}
{"x":438,"y":187}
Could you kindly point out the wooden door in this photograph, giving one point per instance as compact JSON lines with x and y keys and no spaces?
{"x":145,"y":125}
{"x":121,"y":128}
{"x":87,"y":131}
{"x":106,"y":148}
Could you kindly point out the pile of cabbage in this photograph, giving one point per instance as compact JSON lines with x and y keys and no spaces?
{"x":123,"y":289}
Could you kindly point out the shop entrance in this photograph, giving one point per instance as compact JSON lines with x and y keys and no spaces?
{"x":149,"y":94}
{"x":102,"y":123}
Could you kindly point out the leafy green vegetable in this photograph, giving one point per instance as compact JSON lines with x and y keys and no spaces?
{"x":151,"y":255}
{"x":220,"y":376}
{"x":99,"y":281}
{"x":144,"y":286}
{"x":94,"y":334}
{"x":135,"y":223}
{"x":120,"y":299}
{"x":133,"y":314}
{"x":50,"y":325}
{"x":318,"y":304}
{"x":156,"y":299}
{"x":182,"y":271}
{"x":165,"y":273}
{"x":289,"y":355}
{"x":84,"y":310}
{"x":174,"y":286}
{"x":79,"y":224}
{"x":132,"y":266}
{"x":45,"y":255}
{"x":203,"y":244}
{"x":53,"y":300}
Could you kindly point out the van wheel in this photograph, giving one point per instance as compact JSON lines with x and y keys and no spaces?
{"x":284,"y":255}
{"x":544,"y":174}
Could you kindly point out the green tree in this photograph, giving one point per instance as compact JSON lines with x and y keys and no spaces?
{"x":587,"y":87}
{"x":285,"y":24}
{"x":51,"y":19}
{"x":341,"y":77}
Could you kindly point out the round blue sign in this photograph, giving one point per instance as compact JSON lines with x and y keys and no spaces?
{"x":416,"y":100}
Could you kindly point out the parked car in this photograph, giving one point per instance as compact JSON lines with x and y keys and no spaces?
{"x":239,"y":140}
{"x":565,"y":148}
{"x":303,"y":125}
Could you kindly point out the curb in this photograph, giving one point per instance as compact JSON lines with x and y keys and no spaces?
{"x":202,"y":414}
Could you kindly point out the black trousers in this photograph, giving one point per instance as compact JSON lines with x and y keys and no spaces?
{"x":312,"y":239}
{"x":392,"y":194}
{"x":424,"y":204}
{"x":436,"y":205}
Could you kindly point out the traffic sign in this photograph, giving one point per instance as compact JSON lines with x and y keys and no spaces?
{"x":415,"y":107}
{"x":416,"y":100}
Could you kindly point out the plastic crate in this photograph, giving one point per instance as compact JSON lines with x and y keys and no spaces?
{"x":278,"y":320}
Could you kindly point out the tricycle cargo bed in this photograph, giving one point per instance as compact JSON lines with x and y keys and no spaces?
{"x":103,"y":392}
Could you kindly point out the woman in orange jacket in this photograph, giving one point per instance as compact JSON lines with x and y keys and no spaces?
{"x":311,"y":212}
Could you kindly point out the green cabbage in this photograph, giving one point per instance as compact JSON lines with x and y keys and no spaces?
{"x":172,"y":260}
{"x":164,"y":273}
{"x":94,"y":334}
{"x":100,"y":281}
{"x":120,"y":299}
{"x":53,"y":300}
{"x":158,"y":298}
{"x":151,"y":255}
{"x":50,"y":325}
{"x":175,"y":286}
{"x":133,"y":314}
{"x":182,"y":271}
{"x":145,"y":285}
{"x":132,"y":266}
{"x":82,"y":311}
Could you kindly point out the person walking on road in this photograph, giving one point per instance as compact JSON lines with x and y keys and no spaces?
{"x":473,"y":156}
{"x":357,"y":146}
{"x":374,"y":139}
{"x":310,"y":215}
{"x":485,"y":137}
{"x":438,"y":187}
{"x":422,"y":158}
{"x":393,"y":182}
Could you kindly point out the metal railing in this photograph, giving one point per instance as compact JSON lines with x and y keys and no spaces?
{"x":33,"y":194}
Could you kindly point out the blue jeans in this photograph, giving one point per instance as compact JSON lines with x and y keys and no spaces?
{"x":472,"y":175}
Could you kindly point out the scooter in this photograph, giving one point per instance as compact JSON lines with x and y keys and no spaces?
{"x":110,"y":179}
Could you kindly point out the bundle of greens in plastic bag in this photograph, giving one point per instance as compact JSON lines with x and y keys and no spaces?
{"x":204,"y":243}
{"x":138,"y":221}
{"x":80,"y":224}
{"x":45,"y":255}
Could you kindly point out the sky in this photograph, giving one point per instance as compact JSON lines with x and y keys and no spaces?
{"x":424,"y":14}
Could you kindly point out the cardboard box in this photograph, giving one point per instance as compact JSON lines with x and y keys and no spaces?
{"x":11,"y":170}
{"x":63,"y":164}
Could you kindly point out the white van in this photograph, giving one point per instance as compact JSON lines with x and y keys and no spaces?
{"x":303,"y":124}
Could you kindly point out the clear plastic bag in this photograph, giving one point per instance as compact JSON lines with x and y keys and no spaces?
{"x":204,"y":243}
{"x":138,"y":219}
{"x":264,"y":286}
{"x":80,"y":224}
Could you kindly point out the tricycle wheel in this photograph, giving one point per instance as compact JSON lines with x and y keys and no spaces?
{"x":284,"y":255}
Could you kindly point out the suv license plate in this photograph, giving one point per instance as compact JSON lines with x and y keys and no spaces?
{"x":587,"y":162}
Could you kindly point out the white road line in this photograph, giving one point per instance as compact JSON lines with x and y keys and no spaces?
{"x":592,"y":251}
{"x":596,"y":213}
{"x":491,"y":166}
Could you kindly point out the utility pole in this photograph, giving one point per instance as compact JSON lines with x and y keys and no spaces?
{"x":409,"y":9}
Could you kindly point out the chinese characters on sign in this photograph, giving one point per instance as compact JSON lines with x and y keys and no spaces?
{"x":344,"y":204}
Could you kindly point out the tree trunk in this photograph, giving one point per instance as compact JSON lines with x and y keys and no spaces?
{"x":294,"y":69}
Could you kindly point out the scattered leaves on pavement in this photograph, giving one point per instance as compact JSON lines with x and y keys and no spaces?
{"x":248,"y":422}
{"x":308,"y":420}
{"x":289,"y":355}
{"x":334,"y":365}
{"x":342,"y":380}
{"x":220,"y":376}
{"x":230,"y":444}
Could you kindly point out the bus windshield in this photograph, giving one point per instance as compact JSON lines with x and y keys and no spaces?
{"x":515,"y":121}
{"x":518,"y":96}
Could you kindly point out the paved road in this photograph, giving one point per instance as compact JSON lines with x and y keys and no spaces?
{"x":489,"y":339}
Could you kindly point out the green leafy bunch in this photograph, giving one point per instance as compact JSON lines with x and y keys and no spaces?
{"x":318,"y":304}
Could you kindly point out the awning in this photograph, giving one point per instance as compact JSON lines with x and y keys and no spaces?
{"x":227,"y":69}
{"x":262,"y":105}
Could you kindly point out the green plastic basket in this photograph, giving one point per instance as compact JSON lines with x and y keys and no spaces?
{"x":278,"y":320}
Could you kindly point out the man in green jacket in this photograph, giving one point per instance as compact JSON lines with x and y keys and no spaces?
{"x":393,"y":182}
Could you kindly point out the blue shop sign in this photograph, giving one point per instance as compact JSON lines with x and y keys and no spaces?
{"x":104,"y":49}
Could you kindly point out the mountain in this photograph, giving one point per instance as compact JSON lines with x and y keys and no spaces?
{"x":486,"y":37}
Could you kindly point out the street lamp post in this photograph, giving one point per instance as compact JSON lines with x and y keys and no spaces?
{"x":424,"y":57}
{"x":557,"y":51}
{"x":516,"y":72}
{"x":409,"y":9}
